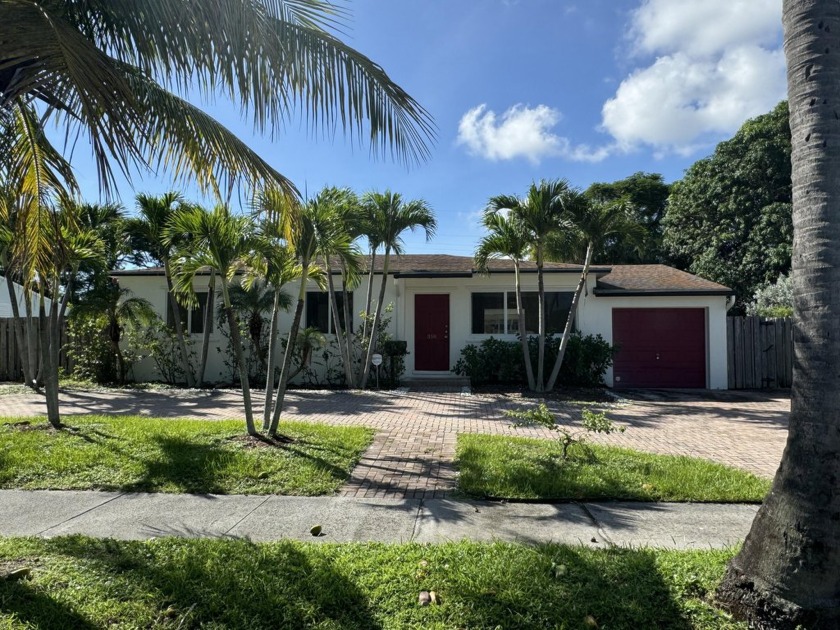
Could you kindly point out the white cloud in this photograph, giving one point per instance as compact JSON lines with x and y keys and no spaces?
{"x":521,"y":131}
{"x":717,"y":63}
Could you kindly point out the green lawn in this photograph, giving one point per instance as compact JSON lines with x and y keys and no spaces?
{"x":525,"y":468}
{"x":154,"y":455}
{"x":80,"y":582}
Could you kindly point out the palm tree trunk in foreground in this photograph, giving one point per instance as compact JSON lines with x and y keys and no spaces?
{"x":179,"y":328}
{"x":49,"y":356}
{"x":240,"y":357}
{"x":287,"y":357}
{"x":788,"y":571}
{"x":341,"y":339}
{"x":272,"y":358}
{"x":570,"y":320}
{"x":541,"y":333}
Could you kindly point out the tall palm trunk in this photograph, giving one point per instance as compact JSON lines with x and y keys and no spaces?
{"x":179,"y":328}
{"x":376,"y":318}
{"x":33,"y":335}
{"x":272,"y":358}
{"x":208,"y":324}
{"x":541,"y":327}
{"x":287,"y":357}
{"x":570,"y":320}
{"x":49,"y":357}
{"x":369,"y":293}
{"x":20,"y":334}
{"x":788,"y":571}
{"x":236,"y":340}
{"x":523,"y":335}
{"x":341,"y":339}
{"x":348,"y":323}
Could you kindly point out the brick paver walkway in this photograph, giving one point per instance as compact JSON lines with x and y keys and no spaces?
{"x":413,"y":451}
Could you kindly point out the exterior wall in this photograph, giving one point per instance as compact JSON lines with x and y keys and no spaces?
{"x":594,"y":315}
{"x":153,"y":289}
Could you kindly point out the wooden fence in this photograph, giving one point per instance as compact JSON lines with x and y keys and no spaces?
{"x":11,"y":368}
{"x":759,"y":352}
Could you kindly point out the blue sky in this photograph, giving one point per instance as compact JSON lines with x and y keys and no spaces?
{"x":586,"y":90}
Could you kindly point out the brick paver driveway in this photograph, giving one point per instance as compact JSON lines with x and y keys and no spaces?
{"x":412,"y":454}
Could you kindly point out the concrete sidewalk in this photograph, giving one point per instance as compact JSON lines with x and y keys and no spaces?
{"x":262,"y":518}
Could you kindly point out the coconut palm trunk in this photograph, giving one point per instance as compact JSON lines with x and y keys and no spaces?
{"x":787,"y":574}
{"x":376,"y":317}
{"x":272,"y":358}
{"x":236,"y":340}
{"x":523,"y":335}
{"x":49,"y":357}
{"x":348,"y":323}
{"x":208,"y":325}
{"x":570,"y":319}
{"x":287,"y":357}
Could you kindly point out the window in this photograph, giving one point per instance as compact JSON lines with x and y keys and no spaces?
{"x":318,"y":312}
{"x":192,"y":320}
{"x":495,"y":313}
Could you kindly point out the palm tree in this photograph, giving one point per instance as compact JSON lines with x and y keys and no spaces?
{"x":152,"y":235}
{"x":541,"y":213}
{"x":99,"y":69}
{"x":251,"y":300}
{"x":276,"y":264}
{"x":332,"y":212}
{"x":223,"y":242}
{"x":393,"y":216}
{"x":507,"y":238}
{"x":787,"y":573}
{"x":593,"y":223}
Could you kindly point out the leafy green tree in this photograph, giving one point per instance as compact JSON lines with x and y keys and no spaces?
{"x":101,"y":67}
{"x":394,"y":216}
{"x":507,"y":238}
{"x":646,"y":195}
{"x":729,"y":219}
{"x":773,"y":300}
{"x":787,"y":573}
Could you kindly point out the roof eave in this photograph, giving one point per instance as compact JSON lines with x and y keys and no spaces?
{"x":663,"y":293}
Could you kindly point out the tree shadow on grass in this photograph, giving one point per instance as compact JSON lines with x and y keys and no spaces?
{"x":233,"y":584}
{"x":31,"y":607}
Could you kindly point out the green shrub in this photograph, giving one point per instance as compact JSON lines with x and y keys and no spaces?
{"x":495,"y":361}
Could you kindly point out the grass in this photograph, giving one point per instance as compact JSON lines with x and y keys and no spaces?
{"x":154,"y":455}
{"x":526,"y":468}
{"x":79,"y":582}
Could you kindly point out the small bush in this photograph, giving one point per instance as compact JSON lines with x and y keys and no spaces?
{"x":495,"y":361}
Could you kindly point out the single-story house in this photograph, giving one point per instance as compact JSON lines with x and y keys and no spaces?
{"x":670,"y":325}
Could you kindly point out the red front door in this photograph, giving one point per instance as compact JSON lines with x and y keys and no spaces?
{"x":431,"y":332}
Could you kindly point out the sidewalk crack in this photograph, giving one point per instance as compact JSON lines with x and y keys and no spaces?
{"x":82,"y":513}
{"x":601,"y":532}
{"x":255,"y":508}
{"x":417,"y":516}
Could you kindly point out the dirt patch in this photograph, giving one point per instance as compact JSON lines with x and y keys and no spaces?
{"x":261,"y":441}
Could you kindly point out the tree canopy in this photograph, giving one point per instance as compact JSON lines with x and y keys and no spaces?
{"x":729,"y":219}
{"x":646,"y":195}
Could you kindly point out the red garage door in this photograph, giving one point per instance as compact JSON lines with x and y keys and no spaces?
{"x":659,"y":347}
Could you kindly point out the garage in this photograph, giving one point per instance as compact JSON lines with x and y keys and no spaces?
{"x":659,"y":347}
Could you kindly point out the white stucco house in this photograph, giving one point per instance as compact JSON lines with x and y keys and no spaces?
{"x":670,"y":325}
